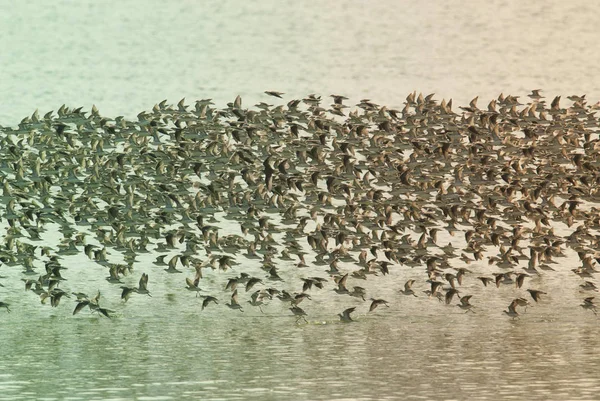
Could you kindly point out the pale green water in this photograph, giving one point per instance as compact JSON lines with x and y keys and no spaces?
{"x":165,"y":347}
{"x":189,"y":356}
{"x":126,"y":56}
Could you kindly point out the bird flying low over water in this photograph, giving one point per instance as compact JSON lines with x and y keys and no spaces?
{"x":512,"y":309}
{"x":588,"y":303}
{"x":345,"y":315}
{"x":274,"y":93}
{"x":465,"y":304}
{"x":376,"y":302}
{"x":5,"y":305}
{"x":234,"y":304}
{"x":192,"y":285}
{"x":93,"y":304}
{"x":299,"y":313}
{"x":536,"y":294}
{"x":207,"y":300}
{"x":141,"y":289}
{"x":408,"y":288}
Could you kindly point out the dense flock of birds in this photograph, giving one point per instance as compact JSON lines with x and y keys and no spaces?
{"x":322,"y":196}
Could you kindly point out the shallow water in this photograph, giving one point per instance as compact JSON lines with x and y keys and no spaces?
{"x":166,"y":347}
{"x":194,"y":356}
{"x":126,"y":56}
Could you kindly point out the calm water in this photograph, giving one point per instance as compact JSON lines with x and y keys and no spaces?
{"x":393,"y":356}
{"x":126,"y":56}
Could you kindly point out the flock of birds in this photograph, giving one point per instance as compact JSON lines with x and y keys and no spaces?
{"x":302,"y":200}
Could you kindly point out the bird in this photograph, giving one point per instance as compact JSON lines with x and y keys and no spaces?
{"x":372,"y":190}
{"x":232,"y":283}
{"x":126,"y":293}
{"x":252,"y":282}
{"x":408,"y":288}
{"x":274,"y":93}
{"x":338,"y":99}
{"x":535,"y":94}
{"x":435,"y":290}
{"x":512,"y":310}
{"x":81,"y":303}
{"x":173,"y":264}
{"x":485,"y":280}
{"x":345,"y":315}
{"x":465,"y":304}
{"x":376,"y":302}
{"x":141,"y":289}
{"x":234,"y":304}
{"x":588,"y":303}
{"x":208,"y":299}
{"x":256,"y":299}
{"x":522,"y":302}
{"x":341,"y":283}
{"x":588,"y":286}
{"x":520,"y":279}
{"x":55,"y":295}
{"x":299,"y":313}
{"x":297,"y":298}
{"x":5,"y":305}
{"x":93,"y":304}
{"x":114,"y":272}
{"x":536,"y":294}
{"x":450,"y":293}
{"x":143,"y":285}
{"x":192,"y":285}
{"x":103,"y":311}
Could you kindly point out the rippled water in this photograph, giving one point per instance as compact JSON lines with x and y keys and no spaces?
{"x":165,"y":347}
{"x":126,"y":56}
{"x":211,"y":357}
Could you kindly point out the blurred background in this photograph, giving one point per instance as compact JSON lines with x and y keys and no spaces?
{"x":125,"y":56}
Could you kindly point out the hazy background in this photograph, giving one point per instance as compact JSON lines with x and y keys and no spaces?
{"x":125,"y":56}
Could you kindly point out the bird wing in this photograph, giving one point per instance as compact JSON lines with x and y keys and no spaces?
{"x":465,"y":300}
{"x":80,"y":306}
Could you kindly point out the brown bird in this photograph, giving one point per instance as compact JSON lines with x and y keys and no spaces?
{"x":435,"y":289}
{"x":299,"y":313}
{"x":465,"y":304}
{"x":450,"y":293}
{"x":193,"y":285}
{"x":588,"y":286}
{"x":274,"y":93}
{"x":520,"y":279}
{"x":536,"y":294}
{"x":141,"y":289}
{"x":341,"y":282}
{"x":376,"y":302}
{"x":408,"y":288}
{"x":143,"y":285}
{"x":588,"y":303}
{"x":234,"y":304}
{"x":486,"y":280}
{"x":252,"y":282}
{"x":345,"y":315}
{"x":512,"y":310}
{"x":207,"y":300}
